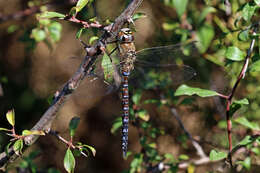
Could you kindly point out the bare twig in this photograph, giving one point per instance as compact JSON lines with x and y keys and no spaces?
{"x":1,"y":90}
{"x":61,"y":96}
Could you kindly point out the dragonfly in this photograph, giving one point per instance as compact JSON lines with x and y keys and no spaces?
{"x":155,"y":58}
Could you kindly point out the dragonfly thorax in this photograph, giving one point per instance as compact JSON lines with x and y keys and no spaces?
{"x":125,"y":35}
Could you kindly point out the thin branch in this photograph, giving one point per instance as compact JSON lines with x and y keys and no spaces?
{"x":1,"y":90}
{"x":229,"y":99}
{"x":61,"y":96}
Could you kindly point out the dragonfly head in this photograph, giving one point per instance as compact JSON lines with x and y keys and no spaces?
{"x":125,"y":35}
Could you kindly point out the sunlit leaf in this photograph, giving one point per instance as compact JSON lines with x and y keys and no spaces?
{"x":237,"y":104}
{"x":38,"y":34}
{"x":92,"y":39}
{"x":257,"y":2}
{"x":116,"y":125}
{"x":81,"y":4}
{"x":12,"y":28}
{"x":217,"y":155}
{"x":55,"y":31}
{"x":248,"y":11}
{"x":78,"y":35}
{"x":10,"y":116}
{"x":4,"y":129}
{"x":251,"y":125}
{"x":183,"y":157}
{"x":51,"y":14}
{"x":7,"y":148}
{"x":18,"y":146}
{"x":32,"y":132}
{"x":205,"y":12}
{"x":245,"y":163}
{"x":69,"y":161}
{"x":205,"y":35}
{"x":244,"y":35}
{"x":247,"y":140}
{"x":180,"y":6}
{"x":186,"y":90}
{"x":137,"y":16}
{"x":255,"y":67}
{"x":74,"y":122}
{"x":92,"y":149}
{"x":168,"y":26}
{"x":234,"y":53}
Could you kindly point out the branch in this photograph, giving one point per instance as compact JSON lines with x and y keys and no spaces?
{"x":61,"y":96}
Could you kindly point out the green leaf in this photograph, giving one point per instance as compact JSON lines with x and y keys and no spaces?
{"x":217,"y":155}
{"x":55,"y":31}
{"x":237,"y":105}
{"x":205,"y":12}
{"x":180,"y":6}
{"x":183,"y":157}
{"x":10,"y":116}
{"x":251,"y":125}
{"x":205,"y":35}
{"x":169,"y":26}
{"x":143,"y":114}
{"x":245,"y":163}
{"x":257,"y":2}
{"x":186,"y":90}
{"x":38,"y":34}
{"x":248,"y":11}
{"x":92,"y":149}
{"x":7,"y":148}
{"x":81,"y":4}
{"x":51,"y":14}
{"x":32,"y":132}
{"x":74,"y":122}
{"x":137,"y":16}
{"x":116,"y":125}
{"x":18,"y":146}
{"x":69,"y":161}
{"x":255,"y":67}
{"x":78,"y":35}
{"x":12,"y":28}
{"x":93,"y":38}
{"x":247,"y":140}
{"x":137,"y":97}
{"x":244,"y":35}
{"x":4,"y":129}
{"x":235,"y":54}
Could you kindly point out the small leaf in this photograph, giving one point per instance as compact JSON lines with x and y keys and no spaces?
{"x":92,"y":149}
{"x":12,"y":28}
{"x":10,"y":116}
{"x":242,"y":101}
{"x":32,"y":132}
{"x":235,"y":54}
{"x":7,"y":148}
{"x":247,"y":140}
{"x":51,"y":14}
{"x":237,"y":105}
{"x":243,"y":35}
{"x":78,"y":35}
{"x":116,"y":125}
{"x":55,"y":31}
{"x":205,"y":12}
{"x":169,"y":26}
{"x":18,"y":146}
{"x":74,"y":122}
{"x":137,"y":16}
{"x":180,"y":6}
{"x":248,"y":11}
{"x":255,"y":67}
{"x":245,"y":163}
{"x":4,"y":129}
{"x":38,"y":34}
{"x":69,"y":161}
{"x":257,"y":2}
{"x":81,"y":4}
{"x":93,"y":38}
{"x":205,"y":34}
{"x":186,"y":90}
{"x":143,"y":114}
{"x":251,"y":125}
{"x":217,"y":155}
{"x":183,"y":157}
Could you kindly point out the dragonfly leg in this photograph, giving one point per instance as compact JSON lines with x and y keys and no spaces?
{"x":84,"y":44}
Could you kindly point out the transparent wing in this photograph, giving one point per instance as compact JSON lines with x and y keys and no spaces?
{"x":161,"y":66}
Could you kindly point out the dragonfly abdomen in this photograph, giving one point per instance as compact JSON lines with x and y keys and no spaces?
{"x":125,"y":113}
